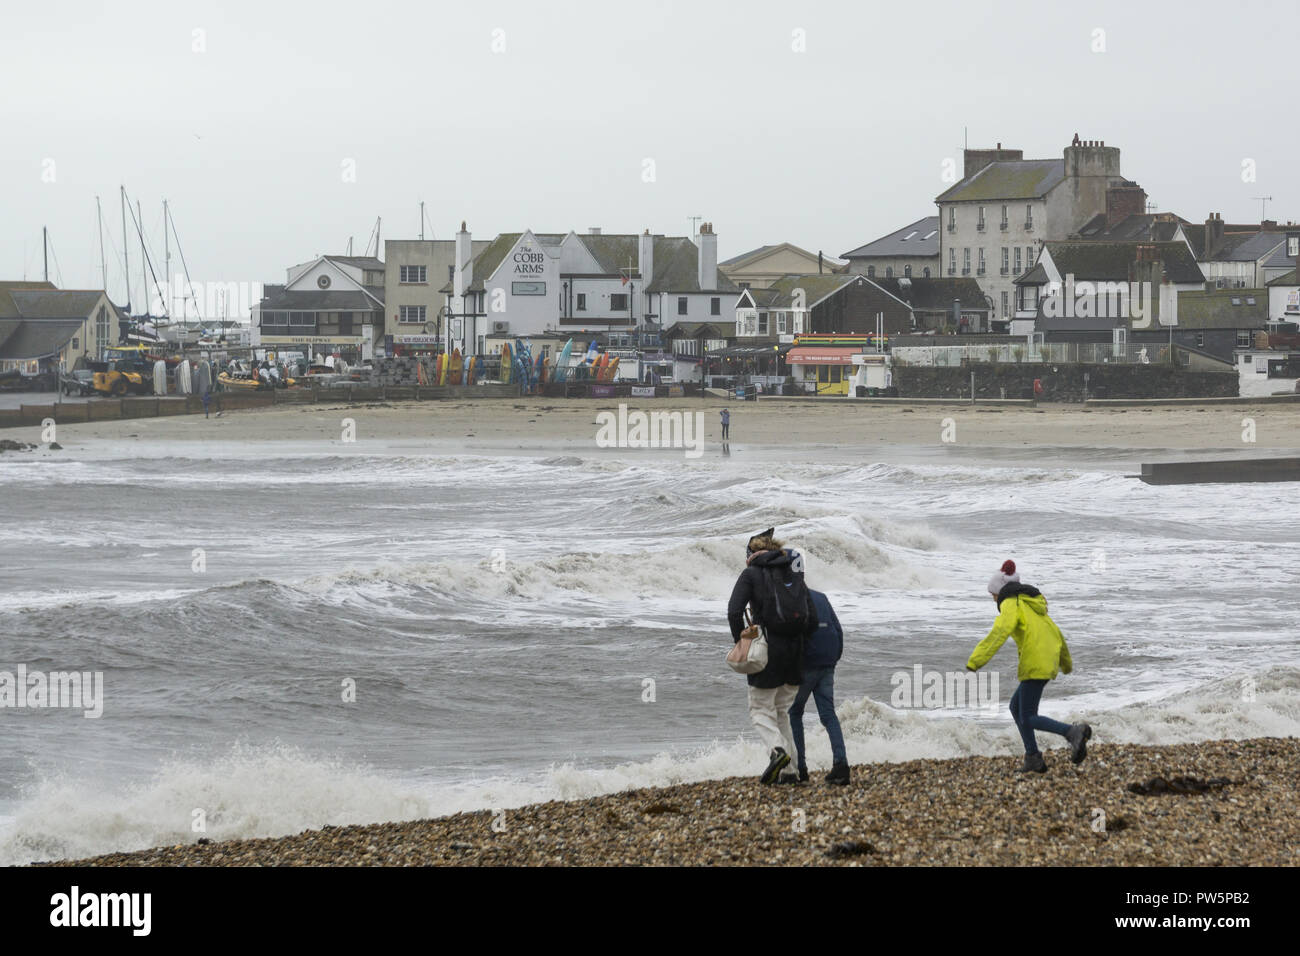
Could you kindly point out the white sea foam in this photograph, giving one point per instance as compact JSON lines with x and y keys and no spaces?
{"x":273,"y":791}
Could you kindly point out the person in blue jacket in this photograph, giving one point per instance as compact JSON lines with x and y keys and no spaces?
{"x":821,"y":653}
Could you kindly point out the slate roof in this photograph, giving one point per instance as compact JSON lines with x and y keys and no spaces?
{"x":277,"y":298}
{"x":752,"y":253}
{"x":1279,"y":259}
{"x":691,"y":330}
{"x":1234,"y":234}
{"x":676,"y":260}
{"x":361,"y":262}
{"x":1286,"y":278}
{"x":1012,"y":179}
{"x":54,"y":303}
{"x":920,"y":238}
{"x":762,"y":298}
{"x":1100,"y":261}
{"x":612,"y":253}
{"x":7,"y":328}
{"x":677,"y":268}
{"x":1215,"y":310}
{"x":816,"y":287}
{"x":936,"y":294}
{"x":1248,"y":247}
{"x":1035,"y":276}
{"x":1142,"y":227}
{"x":39,"y":338}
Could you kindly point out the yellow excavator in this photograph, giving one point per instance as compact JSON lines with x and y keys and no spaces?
{"x":126,"y":368}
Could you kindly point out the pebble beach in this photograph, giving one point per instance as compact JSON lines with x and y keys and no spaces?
{"x":1218,"y":803}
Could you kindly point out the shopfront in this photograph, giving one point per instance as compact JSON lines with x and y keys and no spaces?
{"x":823,"y":370}
{"x":353,"y":349}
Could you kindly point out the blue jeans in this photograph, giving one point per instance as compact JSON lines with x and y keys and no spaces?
{"x":820,"y":683}
{"x":1024,"y":711}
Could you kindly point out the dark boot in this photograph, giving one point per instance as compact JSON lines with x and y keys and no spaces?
{"x":1078,"y":737}
{"x":1034,"y":763}
{"x":780,"y":760}
{"x":839,"y":774}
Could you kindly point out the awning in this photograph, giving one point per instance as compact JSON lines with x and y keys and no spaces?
{"x":749,"y":351}
{"x":311,"y":340}
{"x":811,"y":355}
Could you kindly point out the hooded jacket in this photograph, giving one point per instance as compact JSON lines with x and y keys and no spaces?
{"x":1022,"y":616}
{"x":784,"y":650}
{"x":826,"y":645}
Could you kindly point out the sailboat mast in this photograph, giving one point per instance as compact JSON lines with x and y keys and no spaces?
{"x":144,"y":276}
{"x":167,"y":259}
{"x":99,"y":231}
{"x":45,"y":250}
{"x":126,"y":259}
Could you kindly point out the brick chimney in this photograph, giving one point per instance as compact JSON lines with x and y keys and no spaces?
{"x":1213,"y":235}
{"x":1293,"y":249}
{"x":708,"y":263}
{"x":1124,"y":200}
{"x":976,"y":159}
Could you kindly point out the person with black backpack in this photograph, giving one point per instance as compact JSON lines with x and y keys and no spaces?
{"x":772,"y":586}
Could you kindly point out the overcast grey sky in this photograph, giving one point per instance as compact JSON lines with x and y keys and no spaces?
{"x":827,"y":148}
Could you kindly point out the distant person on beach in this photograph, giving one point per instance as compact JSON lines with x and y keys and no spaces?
{"x":820,"y":656}
{"x":1022,"y":616}
{"x":207,"y":399}
{"x":726,"y":424}
{"x":772,"y":585}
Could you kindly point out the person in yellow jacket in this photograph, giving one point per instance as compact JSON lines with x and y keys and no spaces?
{"x":1022,"y":616}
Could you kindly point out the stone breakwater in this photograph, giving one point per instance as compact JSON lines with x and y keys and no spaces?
{"x":1211,"y":804}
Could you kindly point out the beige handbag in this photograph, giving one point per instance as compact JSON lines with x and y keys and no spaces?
{"x":749,"y":654}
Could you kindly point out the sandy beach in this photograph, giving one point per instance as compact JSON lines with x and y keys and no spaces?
{"x":1218,"y":803}
{"x":848,"y":428}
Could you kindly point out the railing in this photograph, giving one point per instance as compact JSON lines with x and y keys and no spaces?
{"x":1086,"y":353}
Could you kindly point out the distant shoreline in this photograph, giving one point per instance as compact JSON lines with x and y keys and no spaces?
{"x":571,"y":425}
{"x":968,"y":811}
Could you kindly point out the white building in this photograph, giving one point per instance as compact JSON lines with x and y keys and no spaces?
{"x":993,"y":222}
{"x":627,"y":286}
{"x":326,"y":305}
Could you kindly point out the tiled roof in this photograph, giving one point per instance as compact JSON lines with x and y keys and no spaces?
{"x":277,"y":298}
{"x":1248,"y":247}
{"x":1223,"y":309}
{"x":40,"y":338}
{"x":677,"y":268}
{"x":360,"y":262}
{"x":752,"y":253}
{"x":920,"y":238}
{"x":1013,"y":179}
{"x":48,"y":303}
{"x":1111,"y":261}
{"x":936,"y":294}
{"x":816,"y":287}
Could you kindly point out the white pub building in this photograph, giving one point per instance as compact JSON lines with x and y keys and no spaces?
{"x":629,"y":287}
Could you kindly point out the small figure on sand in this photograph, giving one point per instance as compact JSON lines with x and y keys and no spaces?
{"x":726,"y":424}
{"x":772,"y":585}
{"x":1022,"y":616}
